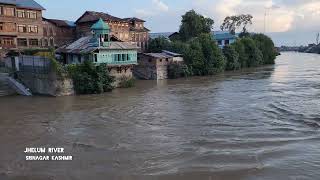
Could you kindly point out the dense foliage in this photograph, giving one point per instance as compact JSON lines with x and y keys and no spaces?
{"x":202,"y":56}
{"x":90,"y":79}
{"x":232,"y":58}
{"x":178,"y":70}
{"x":266,"y":46}
{"x":193,"y":24}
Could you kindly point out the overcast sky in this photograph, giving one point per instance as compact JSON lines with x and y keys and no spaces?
{"x":289,"y":22}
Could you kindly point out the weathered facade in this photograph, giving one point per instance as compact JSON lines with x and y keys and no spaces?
{"x":120,"y":57}
{"x":57,"y":33}
{"x":127,"y":29}
{"x":20,"y":24}
{"x":154,"y":66}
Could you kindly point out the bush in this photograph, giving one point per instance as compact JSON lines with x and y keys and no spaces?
{"x":158,"y":44}
{"x":176,"y":70}
{"x":232,"y":58}
{"x":126,"y":82}
{"x":90,"y":79}
{"x":266,"y":46}
{"x":249,"y":54}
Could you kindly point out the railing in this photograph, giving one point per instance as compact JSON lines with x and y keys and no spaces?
{"x":34,"y":64}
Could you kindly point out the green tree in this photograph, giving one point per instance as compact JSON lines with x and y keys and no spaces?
{"x":243,"y":57}
{"x":90,"y":79}
{"x":266,"y":46}
{"x":193,"y":24}
{"x":158,"y":44}
{"x":231,"y":23}
{"x":253,"y":53}
{"x":232,"y":58}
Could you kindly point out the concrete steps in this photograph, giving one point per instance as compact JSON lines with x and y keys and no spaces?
{"x":5,"y":89}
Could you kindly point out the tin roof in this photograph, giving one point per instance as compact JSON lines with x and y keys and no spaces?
{"x":29,"y":4}
{"x":158,"y":55}
{"x":172,"y":53}
{"x":223,"y":35}
{"x":88,"y":44}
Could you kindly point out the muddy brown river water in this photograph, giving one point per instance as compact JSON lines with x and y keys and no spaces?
{"x":258,"y":124}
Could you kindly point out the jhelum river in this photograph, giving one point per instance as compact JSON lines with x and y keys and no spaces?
{"x":257,"y":124}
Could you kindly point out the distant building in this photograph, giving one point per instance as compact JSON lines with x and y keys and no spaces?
{"x":127,"y":29}
{"x":120,"y":57}
{"x":224,"y":38}
{"x":20,"y":24}
{"x":57,"y":33}
{"x":154,"y":66}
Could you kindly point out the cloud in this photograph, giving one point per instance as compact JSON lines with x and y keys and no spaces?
{"x":157,"y":7}
{"x":161,"y":6}
{"x":281,"y":15}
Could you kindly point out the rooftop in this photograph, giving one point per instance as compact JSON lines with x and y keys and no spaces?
{"x":29,"y":4}
{"x":222,"y":35}
{"x":61,"y":23}
{"x":100,"y":25}
{"x":92,"y":16}
{"x":88,"y":45}
{"x":158,"y":55}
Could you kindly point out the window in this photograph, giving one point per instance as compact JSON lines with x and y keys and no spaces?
{"x":95,"y":57}
{"x":226,"y":42}
{"x":32,"y":29}
{"x":21,"y":13}
{"x":45,"y":43}
{"x":10,"y":27}
{"x":7,"y":42}
{"x":22,"y":42}
{"x":8,"y":11}
{"x":45,"y":31}
{"x":22,"y":28}
{"x":1,"y":10}
{"x":1,"y":26}
{"x":219,"y":42}
{"x":160,"y":60}
{"x":33,"y":42}
{"x":51,"y":42}
{"x":167,"y":59}
{"x":31,"y":14}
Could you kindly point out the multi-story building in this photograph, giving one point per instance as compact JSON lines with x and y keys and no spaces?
{"x":127,"y":29}
{"x":98,"y":47}
{"x":20,"y":24}
{"x":57,"y":33}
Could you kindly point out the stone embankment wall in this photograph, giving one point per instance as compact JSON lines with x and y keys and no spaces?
{"x":47,"y":84}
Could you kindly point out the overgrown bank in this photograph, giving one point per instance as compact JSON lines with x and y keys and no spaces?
{"x":201,"y":53}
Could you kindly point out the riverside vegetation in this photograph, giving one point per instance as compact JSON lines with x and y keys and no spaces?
{"x":201,"y":53}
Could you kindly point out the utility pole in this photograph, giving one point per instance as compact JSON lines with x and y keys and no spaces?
{"x":317,"y":39}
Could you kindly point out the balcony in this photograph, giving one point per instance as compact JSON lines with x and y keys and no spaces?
{"x":119,"y":63}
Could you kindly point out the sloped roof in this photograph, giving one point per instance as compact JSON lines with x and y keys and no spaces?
{"x":87,"y":45}
{"x":133,"y":19}
{"x":61,"y":23}
{"x":30,"y":4}
{"x":90,"y":16}
{"x":158,"y":55}
{"x":171,"y":53}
